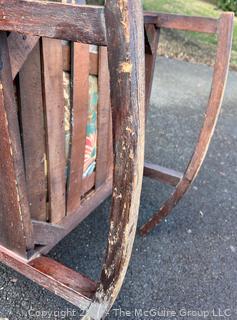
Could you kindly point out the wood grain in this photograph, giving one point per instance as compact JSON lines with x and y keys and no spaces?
{"x":80,"y":23}
{"x":33,"y":133}
{"x":181,"y":22}
{"x":68,"y":284}
{"x":103,"y":115}
{"x":54,"y":110}
{"x":80,"y":105}
{"x":15,"y":224}
{"x":125,"y":33}
{"x":20,"y":46}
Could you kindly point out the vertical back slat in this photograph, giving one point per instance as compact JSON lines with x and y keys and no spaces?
{"x":20,"y":46}
{"x":103,"y":116}
{"x":80,"y":102}
{"x":15,"y":223}
{"x":33,"y":133}
{"x":54,"y":109}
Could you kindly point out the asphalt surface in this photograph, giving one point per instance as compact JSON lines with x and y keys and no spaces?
{"x":188,"y":263}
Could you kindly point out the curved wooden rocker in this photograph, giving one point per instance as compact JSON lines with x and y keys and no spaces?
{"x":23,"y":240}
{"x":223,"y":27}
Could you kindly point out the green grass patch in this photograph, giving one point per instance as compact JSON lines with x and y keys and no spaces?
{"x":197,"y":8}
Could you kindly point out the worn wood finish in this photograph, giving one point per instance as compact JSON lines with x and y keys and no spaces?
{"x":68,"y":284}
{"x":80,"y":23}
{"x":80,"y":104}
{"x":162,"y":174}
{"x":89,"y":203}
{"x":126,"y":63}
{"x":103,"y":116}
{"x":181,"y":22}
{"x":224,"y":32}
{"x":152,"y":35}
{"x":46,"y":233}
{"x":54,"y":110}
{"x":20,"y":46}
{"x":88,"y":183}
{"x":33,"y":133}
{"x":67,"y":61}
{"x":15,"y":224}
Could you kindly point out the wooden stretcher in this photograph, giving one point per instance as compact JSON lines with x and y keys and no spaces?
{"x":46,"y":189}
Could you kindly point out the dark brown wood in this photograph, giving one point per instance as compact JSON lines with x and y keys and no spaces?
{"x":125,"y":35}
{"x":80,"y":104}
{"x":45,"y":233}
{"x":15,"y":224}
{"x":181,"y":22}
{"x":103,"y":115}
{"x":152,"y":35}
{"x":225,"y":33}
{"x":88,"y":204}
{"x":33,"y":133}
{"x":20,"y":46}
{"x":68,"y":284}
{"x":54,"y":109}
{"x":82,"y":23}
{"x":162,"y":174}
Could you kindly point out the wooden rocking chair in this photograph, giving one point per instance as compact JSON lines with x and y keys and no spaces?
{"x":31,"y":220}
{"x":223,"y":28}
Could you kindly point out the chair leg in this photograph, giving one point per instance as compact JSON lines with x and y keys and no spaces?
{"x":152,"y":35}
{"x":225,"y":32}
{"x":125,"y":34}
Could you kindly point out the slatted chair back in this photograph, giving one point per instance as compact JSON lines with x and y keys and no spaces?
{"x":45,"y":187}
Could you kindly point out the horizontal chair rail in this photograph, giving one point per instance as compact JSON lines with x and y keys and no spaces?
{"x":168,"y":176}
{"x":181,"y":22}
{"x":40,"y":19}
{"x":68,"y":284}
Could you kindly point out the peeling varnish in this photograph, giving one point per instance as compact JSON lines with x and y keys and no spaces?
{"x":125,"y":67}
{"x":123,"y":7}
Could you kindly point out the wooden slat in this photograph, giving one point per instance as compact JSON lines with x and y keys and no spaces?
{"x":88,"y":204}
{"x":15,"y":224}
{"x":80,"y":104}
{"x":93,"y":63}
{"x":68,"y":284}
{"x":162,"y":174}
{"x":102,"y":159}
{"x":88,"y":184}
{"x":20,"y":46}
{"x":54,"y":108}
{"x":181,"y":22}
{"x":67,"y":61}
{"x":33,"y":133}
{"x":80,"y":23}
{"x":45,"y":233}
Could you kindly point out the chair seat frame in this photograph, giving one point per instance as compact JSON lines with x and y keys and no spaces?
{"x":223,"y":28}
